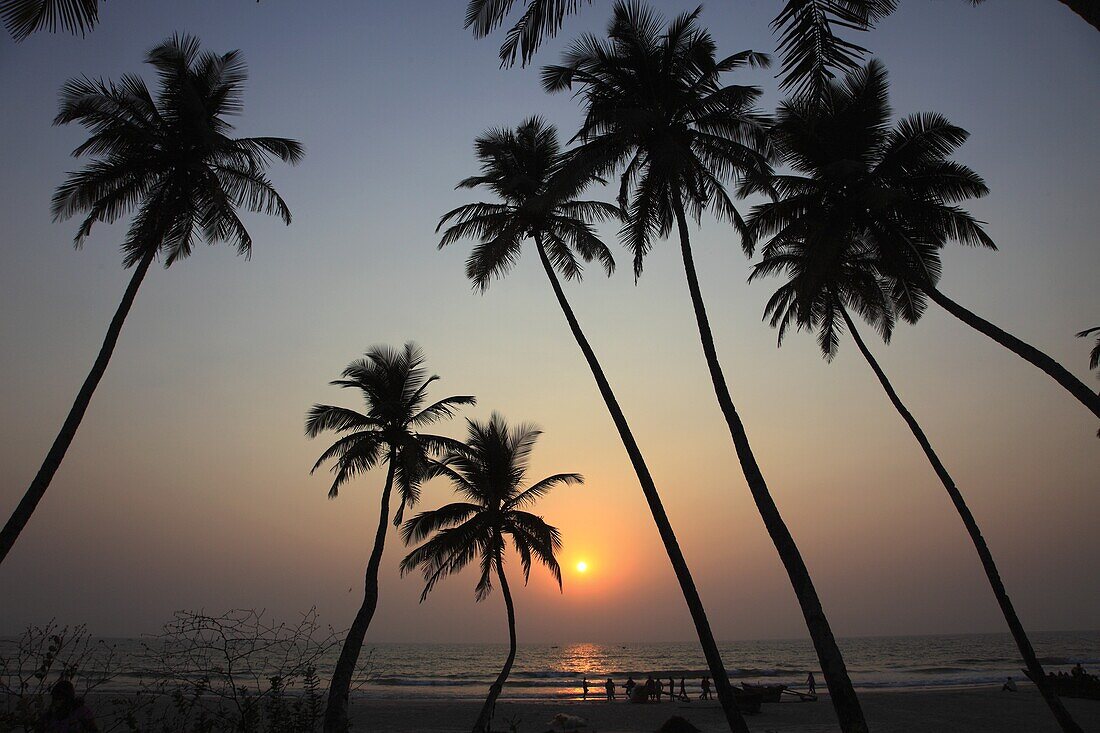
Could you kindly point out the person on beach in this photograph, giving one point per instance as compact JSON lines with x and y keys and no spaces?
{"x":1009,"y":685}
{"x":671,"y":690}
{"x":660,"y":689}
{"x":650,"y":687}
{"x":705,"y":684}
{"x":683,"y":691}
{"x":1078,"y":670}
{"x":67,"y":712}
{"x":629,"y":687}
{"x":610,"y":687}
{"x":584,"y":689}
{"x":811,"y":684}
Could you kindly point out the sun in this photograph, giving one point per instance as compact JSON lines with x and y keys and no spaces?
{"x":582,"y":566}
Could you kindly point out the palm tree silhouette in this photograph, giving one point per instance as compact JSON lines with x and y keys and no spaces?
{"x":809,"y":44}
{"x":829,"y":251}
{"x":394,"y":386}
{"x":172,"y":162}
{"x":898,"y":186}
{"x":537,"y":183}
{"x":1094,"y":355}
{"x":830,"y":271}
{"x":488,"y":473}
{"x":655,"y":106}
{"x":24,"y":17}
{"x":808,"y":23}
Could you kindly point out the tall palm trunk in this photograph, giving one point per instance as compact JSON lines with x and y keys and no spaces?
{"x":1089,"y":10}
{"x":1025,"y":351}
{"x":336,"y":714}
{"x":41,"y":482}
{"x":1018,"y":634}
{"x":664,"y":527}
{"x":485,"y":717}
{"x":841,"y":691}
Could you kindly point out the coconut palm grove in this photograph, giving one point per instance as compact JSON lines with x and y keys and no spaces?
{"x":429,"y":260}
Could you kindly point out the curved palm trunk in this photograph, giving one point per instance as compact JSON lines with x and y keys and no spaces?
{"x":1018,"y":633}
{"x":1087,"y":9}
{"x":679,"y":565}
{"x":336,"y":714}
{"x":841,"y":691}
{"x":1025,"y":351}
{"x":485,"y":717}
{"x":41,"y":482}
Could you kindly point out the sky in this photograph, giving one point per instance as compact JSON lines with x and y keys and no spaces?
{"x":188,"y":486}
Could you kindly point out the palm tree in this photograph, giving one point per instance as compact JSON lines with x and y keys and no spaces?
{"x":899,"y":187}
{"x":170,"y":161}
{"x":394,"y":385}
{"x":656,"y":107}
{"x":540,"y":19}
{"x":1094,"y":356}
{"x":830,"y":252}
{"x":488,"y":472}
{"x":537,"y":183}
{"x":811,"y":50}
{"x":24,"y":17}
{"x":831,"y":270}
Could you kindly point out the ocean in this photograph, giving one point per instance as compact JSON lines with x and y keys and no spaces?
{"x":555,"y":671}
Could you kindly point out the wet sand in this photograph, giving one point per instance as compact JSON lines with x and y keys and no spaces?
{"x":983,"y":710}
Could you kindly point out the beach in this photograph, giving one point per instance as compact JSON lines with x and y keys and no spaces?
{"x":982,"y":710}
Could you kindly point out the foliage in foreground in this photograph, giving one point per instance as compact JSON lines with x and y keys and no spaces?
{"x":238,"y":671}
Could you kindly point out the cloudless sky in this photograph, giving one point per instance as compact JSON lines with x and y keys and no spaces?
{"x":187,"y":485}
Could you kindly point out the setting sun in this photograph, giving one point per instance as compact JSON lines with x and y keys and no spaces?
{"x":582,"y":566}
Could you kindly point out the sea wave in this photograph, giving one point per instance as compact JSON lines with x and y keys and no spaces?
{"x":460,"y":671}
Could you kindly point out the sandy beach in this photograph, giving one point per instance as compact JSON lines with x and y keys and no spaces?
{"x":982,"y":710}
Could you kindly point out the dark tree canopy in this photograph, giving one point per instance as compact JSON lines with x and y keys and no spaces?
{"x":657,"y":108}
{"x":170,"y":159}
{"x":489,"y":474}
{"x":889,"y":191}
{"x":537,"y":184}
{"x":23,"y":17}
{"x":394,"y":386}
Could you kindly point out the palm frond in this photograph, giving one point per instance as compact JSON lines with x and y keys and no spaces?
{"x":1094,"y":356}
{"x":423,"y":524}
{"x":811,"y":50}
{"x":541,"y":488}
{"x":21,"y":18}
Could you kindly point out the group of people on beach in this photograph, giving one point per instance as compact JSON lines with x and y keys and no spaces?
{"x":652,"y":689}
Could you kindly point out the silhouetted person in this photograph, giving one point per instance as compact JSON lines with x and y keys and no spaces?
{"x":584,"y":689}
{"x":1078,"y":670}
{"x":811,"y":684}
{"x":650,"y":687}
{"x":67,"y":712}
{"x":610,"y":687}
{"x":1009,"y":685}
{"x":660,"y":688}
{"x":629,"y":687}
{"x":671,"y":690}
{"x":705,"y":684}
{"x":683,"y":690}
